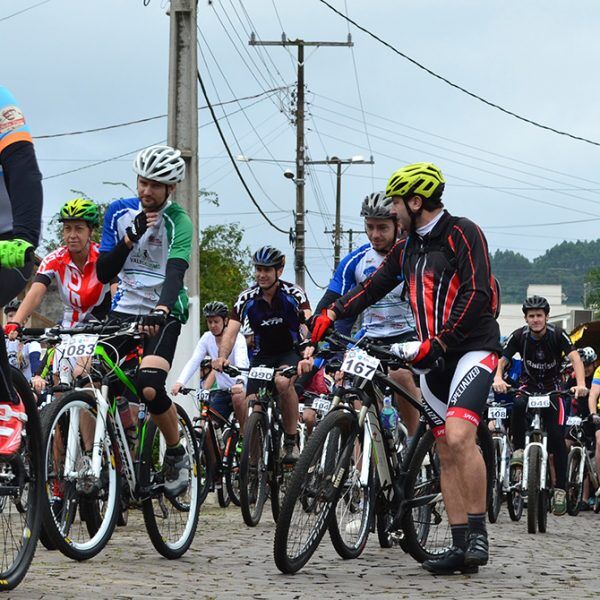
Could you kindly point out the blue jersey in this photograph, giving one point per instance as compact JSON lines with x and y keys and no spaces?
{"x":276,"y":326}
{"x":388,"y":317}
{"x":12,"y":129}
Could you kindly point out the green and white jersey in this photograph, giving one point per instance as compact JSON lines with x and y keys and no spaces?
{"x":143,"y":275}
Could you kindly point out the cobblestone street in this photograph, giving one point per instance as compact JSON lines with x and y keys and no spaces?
{"x":229,"y":560}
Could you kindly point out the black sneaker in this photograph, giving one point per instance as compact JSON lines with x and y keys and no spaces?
{"x":176,"y":471}
{"x":477,"y":552}
{"x":291,"y":454}
{"x":452,"y":562}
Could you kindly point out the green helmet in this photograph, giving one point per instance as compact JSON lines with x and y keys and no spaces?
{"x":422,"y":179}
{"x":80,"y":209}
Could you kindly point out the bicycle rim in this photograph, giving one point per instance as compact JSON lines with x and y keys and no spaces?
{"x":253,"y":471}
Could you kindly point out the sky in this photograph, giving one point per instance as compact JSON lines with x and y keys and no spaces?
{"x":77,"y":65}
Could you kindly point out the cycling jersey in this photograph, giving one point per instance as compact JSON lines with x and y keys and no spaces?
{"x":143,"y":274}
{"x":276,"y":325}
{"x":389,"y":316}
{"x":79,"y":291}
{"x":596,"y":376}
{"x":450,"y":285}
{"x":25,"y":357}
{"x":542,"y":358}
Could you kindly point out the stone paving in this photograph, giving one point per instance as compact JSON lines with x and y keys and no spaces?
{"x":229,"y":560}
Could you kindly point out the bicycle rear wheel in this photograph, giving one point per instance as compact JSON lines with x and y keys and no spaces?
{"x":315,"y":486}
{"x":253,"y":469}
{"x":232,"y":470}
{"x":533,"y":488}
{"x":495,"y":503}
{"x":79,"y":510}
{"x":514,"y":498}
{"x":170,"y":522}
{"x":21,"y":498}
{"x":574,"y":486}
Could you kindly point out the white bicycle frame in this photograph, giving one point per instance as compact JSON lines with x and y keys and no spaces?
{"x":535,"y":425}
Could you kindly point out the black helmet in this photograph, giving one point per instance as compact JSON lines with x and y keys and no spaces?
{"x":267,"y":256}
{"x":536,"y":302}
{"x":216,"y":309}
{"x":12,"y":306}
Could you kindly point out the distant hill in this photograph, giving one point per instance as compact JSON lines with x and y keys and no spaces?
{"x":566,"y":263}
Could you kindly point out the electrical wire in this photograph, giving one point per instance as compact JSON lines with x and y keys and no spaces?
{"x":456,"y":86}
{"x":24,"y":10}
{"x":322,"y":287}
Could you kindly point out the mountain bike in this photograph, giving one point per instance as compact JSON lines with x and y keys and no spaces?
{"x":217,"y":438}
{"x":21,"y":487}
{"x":581,"y":465}
{"x":407,"y":495}
{"x":92,"y":474}
{"x":262,"y":473}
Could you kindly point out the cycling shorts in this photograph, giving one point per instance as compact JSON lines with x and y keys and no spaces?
{"x":460,"y":390}
{"x":220,"y":401}
{"x":288,"y":359}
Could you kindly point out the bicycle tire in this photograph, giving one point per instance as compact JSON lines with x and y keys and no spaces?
{"x":348,"y":503}
{"x":544,"y":500}
{"x":314,"y":487}
{"x":426,"y":529}
{"x":495,"y":502}
{"x":179,"y":515}
{"x":232,"y":472}
{"x":222,"y":494}
{"x":514,"y":497}
{"x":275,"y":474}
{"x":78,"y":522}
{"x":206,"y":468}
{"x":533,"y":487}
{"x":26,"y":513}
{"x":574,"y":488}
{"x":253,"y":471}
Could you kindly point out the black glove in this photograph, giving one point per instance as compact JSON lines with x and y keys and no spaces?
{"x":428,"y":354}
{"x":138,"y":227}
{"x":595,"y":418}
{"x":156,"y":317}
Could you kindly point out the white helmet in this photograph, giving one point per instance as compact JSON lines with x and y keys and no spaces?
{"x":588,"y":355}
{"x":160,"y":163}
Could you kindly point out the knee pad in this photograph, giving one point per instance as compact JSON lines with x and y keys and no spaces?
{"x":155,"y":379}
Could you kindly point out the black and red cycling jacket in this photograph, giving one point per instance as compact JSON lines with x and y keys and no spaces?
{"x":449,"y":285}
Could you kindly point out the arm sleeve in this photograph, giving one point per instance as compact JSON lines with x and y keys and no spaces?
{"x":474,"y":276}
{"x":512,"y":345}
{"x":566,"y":345}
{"x":46,"y":271}
{"x":192,"y":365}
{"x":176,"y":268}
{"x":110,"y":263}
{"x":42,"y":278}
{"x":344,"y":278}
{"x":381,"y":282}
{"x":182,"y":232}
{"x":329,"y":297}
{"x":35,"y":353}
{"x":240,"y":356}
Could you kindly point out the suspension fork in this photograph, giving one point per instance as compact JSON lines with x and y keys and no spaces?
{"x":100,"y":431}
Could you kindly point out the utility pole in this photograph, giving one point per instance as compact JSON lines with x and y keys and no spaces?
{"x":350,"y":240}
{"x":182,"y":133}
{"x":334,"y":160}
{"x":300,"y":162}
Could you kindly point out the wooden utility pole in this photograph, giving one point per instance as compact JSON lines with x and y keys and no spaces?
{"x":300,"y":162}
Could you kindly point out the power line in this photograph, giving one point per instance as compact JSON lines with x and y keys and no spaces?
{"x":455,"y":85}
{"x":136,"y":121}
{"x":218,"y":126}
{"x":24,"y":10}
{"x":323,"y":287}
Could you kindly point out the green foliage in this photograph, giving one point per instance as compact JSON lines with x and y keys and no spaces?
{"x":567,"y":264}
{"x":225,"y":266}
{"x":592,"y":287}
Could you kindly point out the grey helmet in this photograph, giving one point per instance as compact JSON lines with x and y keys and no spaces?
{"x":377,"y":206}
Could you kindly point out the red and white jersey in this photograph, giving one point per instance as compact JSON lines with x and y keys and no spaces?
{"x":79,"y":291}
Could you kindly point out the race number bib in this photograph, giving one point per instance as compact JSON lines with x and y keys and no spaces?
{"x":261,"y":373}
{"x":496,"y":412}
{"x":358,"y":362}
{"x":321,"y":404}
{"x":80,"y":345}
{"x":538,"y":402}
{"x":573,"y":421}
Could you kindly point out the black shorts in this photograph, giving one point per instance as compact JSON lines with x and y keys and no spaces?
{"x":162,"y":344}
{"x":460,"y":389}
{"x":407,"y":336}
{"x":288,"y":359}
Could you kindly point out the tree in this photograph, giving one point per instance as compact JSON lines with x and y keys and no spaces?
{"x":225,"y":266}
{"x":592,"y":291}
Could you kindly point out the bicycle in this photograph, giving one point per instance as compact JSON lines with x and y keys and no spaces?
{"x":92,"y":475}
{"x":217,"y":438}
{"x":262,"y":473}
{"x":407,"y":494}
{"x":580,"y":464}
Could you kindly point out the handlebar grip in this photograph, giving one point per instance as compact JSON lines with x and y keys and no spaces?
{"x":231,"y":371}
{"x":34,"y":331}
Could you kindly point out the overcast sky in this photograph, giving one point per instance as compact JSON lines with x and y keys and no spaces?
{"x":76,"y":65}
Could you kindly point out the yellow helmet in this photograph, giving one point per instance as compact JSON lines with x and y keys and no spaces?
{"x":422,"y":179}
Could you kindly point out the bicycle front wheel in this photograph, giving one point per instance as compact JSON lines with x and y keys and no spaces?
{"x":232,"y":470}
{"x":533,"y":488}
{"x":495,"y":502}
{"x":574,"y":486}
{"x":80,"y":510}
{"x":21,"y":496}
{"x":170,"y":522}
{"x":314,"y":488}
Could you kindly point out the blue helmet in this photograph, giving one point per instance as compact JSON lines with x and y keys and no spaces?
{"x":267,"y":256}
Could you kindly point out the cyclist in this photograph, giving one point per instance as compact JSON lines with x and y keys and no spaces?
{"x":25,"y":357}
{"x":541,"y":346}
{"x":593,"y":406}
{"x":275,"y":310}
{"x":445,"y":264}
{"x":231,"y":392}
{"x":73,"y":268}
{"x":21,"y":202}
{"x":389,"y":319}
{"x":146,"y":242}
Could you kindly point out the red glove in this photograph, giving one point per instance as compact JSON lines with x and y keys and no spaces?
{"x":320,"y":325}
{"x":11,"y":326}
{"x":428,"y":354}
